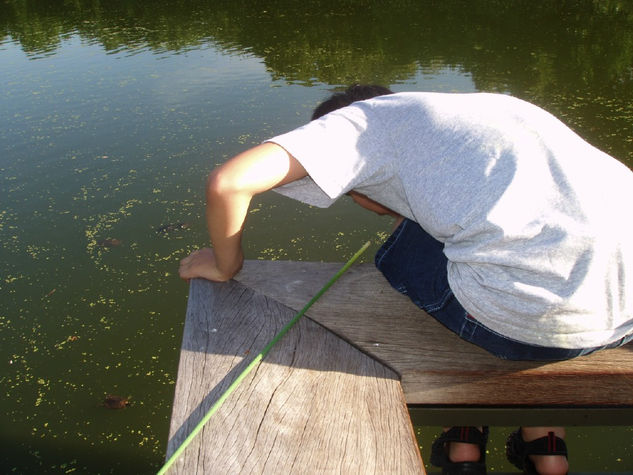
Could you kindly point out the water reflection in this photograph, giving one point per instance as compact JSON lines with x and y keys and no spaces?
{"x":552,"y":44}
{"x":113,"y":112}
{"x":554,"y":53}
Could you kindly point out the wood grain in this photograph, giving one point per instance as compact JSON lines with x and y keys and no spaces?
{"x":436,"y":366}
{"x":314,"y":405}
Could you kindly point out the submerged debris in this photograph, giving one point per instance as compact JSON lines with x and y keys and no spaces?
{"x":167,"y":228}
{"x":116,"y":402}
{"x":110,"y":242}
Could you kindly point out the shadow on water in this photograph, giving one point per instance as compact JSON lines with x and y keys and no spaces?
{"x":23,"y":455}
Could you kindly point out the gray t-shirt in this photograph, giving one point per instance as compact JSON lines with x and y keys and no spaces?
{"x":530,"y":214}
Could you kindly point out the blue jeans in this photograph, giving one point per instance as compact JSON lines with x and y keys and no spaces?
{"x":414,"y":264}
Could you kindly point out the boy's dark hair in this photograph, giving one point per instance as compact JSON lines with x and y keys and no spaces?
{"x":357,"y":92}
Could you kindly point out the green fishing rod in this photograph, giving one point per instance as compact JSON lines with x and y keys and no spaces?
{"x":257,"y":360}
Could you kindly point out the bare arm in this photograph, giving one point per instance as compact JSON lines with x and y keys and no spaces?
{"x":230,"y":188}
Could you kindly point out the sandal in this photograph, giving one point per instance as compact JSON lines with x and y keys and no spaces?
{"x":469,"y":435}
{"x":518,"y":450}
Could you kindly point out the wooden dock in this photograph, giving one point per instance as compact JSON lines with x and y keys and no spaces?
{"x":332,"y":395}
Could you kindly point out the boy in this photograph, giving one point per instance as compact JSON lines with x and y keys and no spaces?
{"x":506,"y":226}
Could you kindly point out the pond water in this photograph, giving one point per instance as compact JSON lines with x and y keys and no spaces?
{"x":112,"y":114}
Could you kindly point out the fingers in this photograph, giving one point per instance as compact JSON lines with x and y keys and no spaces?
{"x":200,"y":263}
{"x":190,"y":257}
{"x":186,"y":265}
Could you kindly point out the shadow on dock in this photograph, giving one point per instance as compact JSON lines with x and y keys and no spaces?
{"x":332,"y":394}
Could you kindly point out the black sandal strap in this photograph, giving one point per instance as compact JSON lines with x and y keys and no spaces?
{"x":518,"y":450}
{"x":468,"y":435}
{"x":548,"y":445}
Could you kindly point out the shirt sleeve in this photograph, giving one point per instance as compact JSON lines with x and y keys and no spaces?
{"x":339,"y":151}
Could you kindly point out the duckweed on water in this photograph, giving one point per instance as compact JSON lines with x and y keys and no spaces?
{"x":108,"y":131}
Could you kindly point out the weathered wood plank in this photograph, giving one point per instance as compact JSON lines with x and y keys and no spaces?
{"x":315,"y":405}
{"x":437,"y":367}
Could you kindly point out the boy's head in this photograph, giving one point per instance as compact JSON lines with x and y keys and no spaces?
{"x":357,"y":92}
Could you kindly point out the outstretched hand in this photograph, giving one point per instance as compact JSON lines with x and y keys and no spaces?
{"x":230,"y":188}
{"x":202,"y":263}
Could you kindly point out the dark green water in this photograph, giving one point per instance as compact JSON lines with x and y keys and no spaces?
{"x":111,"y":115}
